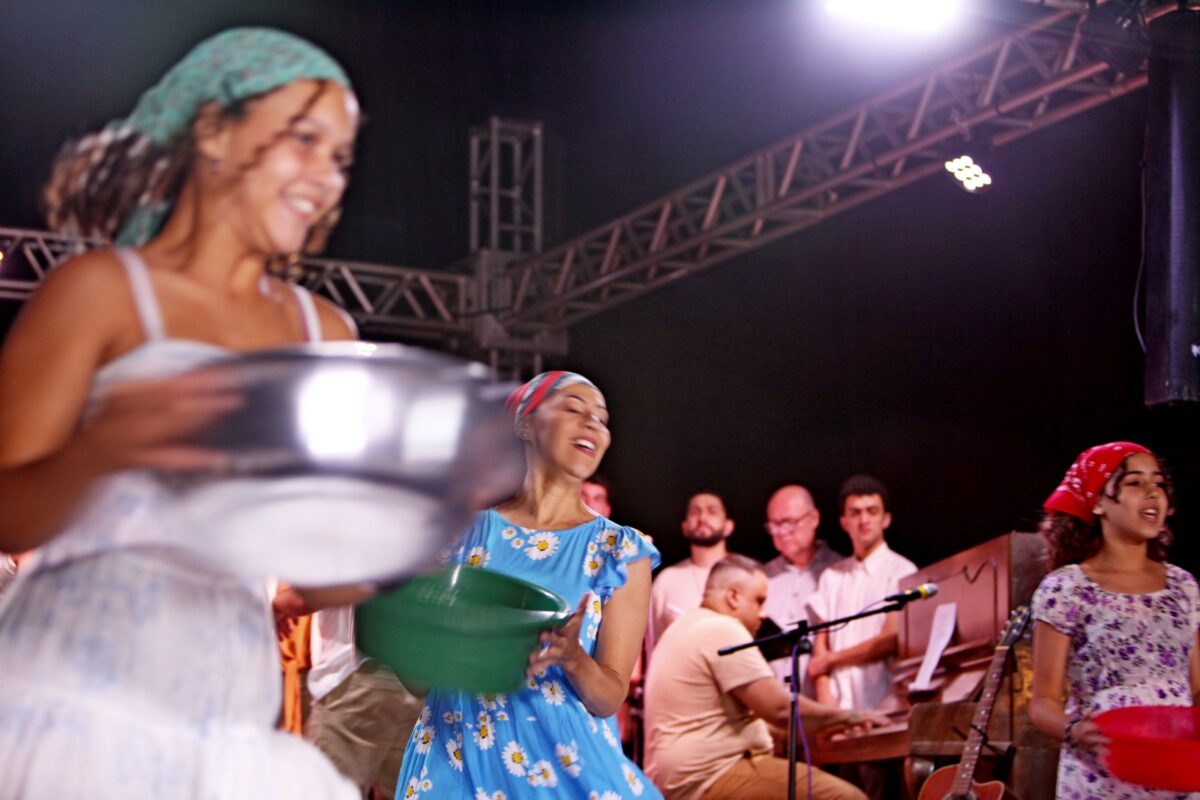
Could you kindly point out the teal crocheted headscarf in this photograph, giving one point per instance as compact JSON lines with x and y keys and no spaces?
{"x":228,"y":68}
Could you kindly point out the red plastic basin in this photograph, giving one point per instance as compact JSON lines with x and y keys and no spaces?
{"x":1154,"y":746}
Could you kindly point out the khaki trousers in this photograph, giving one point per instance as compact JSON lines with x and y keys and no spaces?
{"x":363,"y":725}
{"x":764,"y":777}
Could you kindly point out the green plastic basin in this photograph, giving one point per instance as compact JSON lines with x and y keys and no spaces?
{"x":459,"y":628}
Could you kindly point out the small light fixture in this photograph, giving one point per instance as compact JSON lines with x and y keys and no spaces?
{"x":969,"y":174}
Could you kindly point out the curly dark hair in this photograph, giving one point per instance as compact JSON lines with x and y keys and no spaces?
{"x":1071,"y":540}
{"x":96,"y":181}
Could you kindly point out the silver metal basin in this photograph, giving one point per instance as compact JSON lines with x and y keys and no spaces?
{"x":350,"y":461}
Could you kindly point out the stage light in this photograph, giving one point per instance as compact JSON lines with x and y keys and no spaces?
{"x":969,"y":174}
{"x":912,"y":15}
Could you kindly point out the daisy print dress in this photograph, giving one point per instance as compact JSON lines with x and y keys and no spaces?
{"x":539,"y":741}
{"x":1125,"y":650}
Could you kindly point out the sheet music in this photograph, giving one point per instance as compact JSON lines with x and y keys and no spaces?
{"x":940,"y":633}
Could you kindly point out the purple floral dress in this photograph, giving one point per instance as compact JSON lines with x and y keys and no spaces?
{"x":1126,"y":650}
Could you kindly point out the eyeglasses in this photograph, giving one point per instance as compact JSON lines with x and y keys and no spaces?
{"x":786,"y":525}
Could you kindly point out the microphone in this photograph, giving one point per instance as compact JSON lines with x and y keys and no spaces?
{"x":921,"y":592}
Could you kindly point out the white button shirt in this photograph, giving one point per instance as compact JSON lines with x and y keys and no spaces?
{"x":846,"y":588}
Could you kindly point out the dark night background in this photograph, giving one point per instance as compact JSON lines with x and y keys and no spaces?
{"x":963,"y":349}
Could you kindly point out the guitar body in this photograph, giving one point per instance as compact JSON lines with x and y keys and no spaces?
{"x":940,"y":785}
{"x":957,"y":782}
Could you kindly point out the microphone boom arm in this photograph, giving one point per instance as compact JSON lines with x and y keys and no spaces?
{"x":802,"y":629}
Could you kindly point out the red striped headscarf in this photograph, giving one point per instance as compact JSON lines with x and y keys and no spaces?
{"x":1084,"y":481}
{"x":525,"y":399}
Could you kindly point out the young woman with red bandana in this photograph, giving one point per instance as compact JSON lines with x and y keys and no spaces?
{"x":1116,"y":625}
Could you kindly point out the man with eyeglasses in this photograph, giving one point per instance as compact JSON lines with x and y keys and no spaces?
{"x":792,"y":520}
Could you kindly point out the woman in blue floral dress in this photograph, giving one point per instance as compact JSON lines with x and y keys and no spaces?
{"x":1116,"y":625}
{"x":555,"y":737}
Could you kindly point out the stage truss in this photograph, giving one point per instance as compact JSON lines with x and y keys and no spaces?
{"x":513,"y":308}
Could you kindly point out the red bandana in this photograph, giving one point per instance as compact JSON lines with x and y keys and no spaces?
{"x":524,"y":399}
{"x":1084,"y":481}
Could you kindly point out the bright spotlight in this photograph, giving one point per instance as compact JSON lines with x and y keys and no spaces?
{"x":912,"y":15}
{"x":968,"y":174}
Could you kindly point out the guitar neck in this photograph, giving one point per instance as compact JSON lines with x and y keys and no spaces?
{"x":979,"y":725}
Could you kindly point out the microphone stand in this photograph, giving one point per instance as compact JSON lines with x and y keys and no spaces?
{"x":798,"y":637}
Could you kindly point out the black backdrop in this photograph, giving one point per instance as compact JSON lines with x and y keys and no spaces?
{"x":963,"y":349}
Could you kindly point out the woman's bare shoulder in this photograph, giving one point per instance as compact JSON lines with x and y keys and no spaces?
{"x":96,"y":271}
{"x":336,"y":322}
{"x":81,"y":290}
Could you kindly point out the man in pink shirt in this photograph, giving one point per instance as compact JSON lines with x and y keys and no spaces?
{"x":680,"y":587}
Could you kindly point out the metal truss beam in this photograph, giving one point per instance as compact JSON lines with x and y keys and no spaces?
{"x":1013,"y":86}
{"x":26,"y":257}
{"x":384,"y":300}
{"x":395,"y":301}
{"x":512,"y":309}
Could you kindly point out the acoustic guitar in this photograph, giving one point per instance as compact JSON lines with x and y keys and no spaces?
{"x":957,"y":782}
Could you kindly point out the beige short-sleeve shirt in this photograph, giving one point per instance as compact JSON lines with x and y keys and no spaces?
{"x":695,"y":729}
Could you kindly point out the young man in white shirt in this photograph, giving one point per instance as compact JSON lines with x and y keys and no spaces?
{"x":849,"y":665}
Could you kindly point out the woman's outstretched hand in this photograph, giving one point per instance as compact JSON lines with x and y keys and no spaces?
{"x":560,"y":645}
{"x":146,"y":423}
